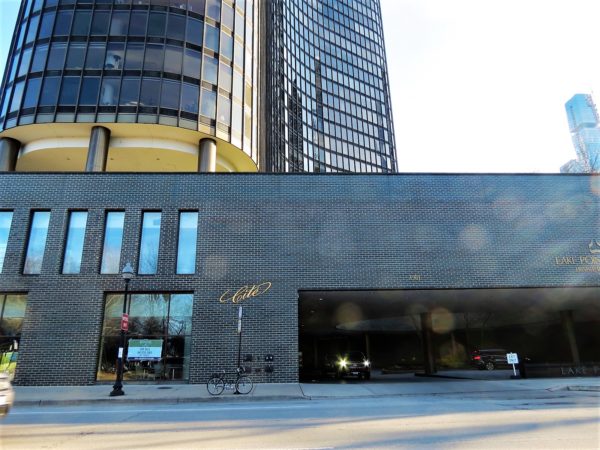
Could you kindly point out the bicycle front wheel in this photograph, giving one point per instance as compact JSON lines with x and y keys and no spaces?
{"x":215,"y":386}
{"x":243,"y":385}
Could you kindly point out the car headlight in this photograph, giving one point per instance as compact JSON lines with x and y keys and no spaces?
{"x":366,"y":363}
{"x":342,"y":363}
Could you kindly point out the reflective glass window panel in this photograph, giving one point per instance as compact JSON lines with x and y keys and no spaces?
{"x":133,"y":58}
{"x":5,"y":102}
{"x":113,"y":241}
{"x":81,"y":24}
{"x":238,"y":58}
{"x":157,"y":23}
{"x":226,"y":46}
{"x":95,"y":55}
{"x":189,"y":98}
{"x":5,"y":222}
{"x":130,"y":92}
{"x":17,"y":96}
{"x":196,"y":6}
{"x":32,"y":30}
{"x":56,"y":58}
{"x":75,"y":55}
{"x":109,"y":94}
{"x":63,"y":23}
{"x":137,"y":26}
{"x":236,"y":118}
{"x":89,"y":91}
{"x":47,"y":23}
{"x":37,"y":242}
{"x":170,"y":94}
{"x":227,"y":16}
{"x":224,"y":110}
{"x":191,"y":63}
{"x":49,"y":91}
{"x":74,"y":244}
{"x":225,"y":77}
{"x":25,"y":60}
{"x":239,"y":25}
{"x":211,"y":39}
{"x":14,"y":66}
{"x":194,"y":31}
{"x":68,"y":92}
{"x":150,"y":92}
{"x":173,"y":56}
{"x":32,"y":92}
{"x":37,"y":5}
{"x":114,"y":56}
{"x":119,"y":23}
{"x":149,"y":243}
{"x":208,"y":107}
{"x":176,"y":27}
{"x":213,"y":9}
{"x":39,"y":58}
{"x":186,"y":245}
{"x":100,"y":23}
{"x":238,"y":85}
{"x":12,"y":307}
{"x":153,"y":59}
{"x":210,"y":69}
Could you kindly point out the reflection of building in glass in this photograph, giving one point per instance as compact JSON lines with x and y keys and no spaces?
{"x":326,"y":60}
{"x":584,"y":125}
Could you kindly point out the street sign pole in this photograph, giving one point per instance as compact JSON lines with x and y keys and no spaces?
{"x":239,"y":361}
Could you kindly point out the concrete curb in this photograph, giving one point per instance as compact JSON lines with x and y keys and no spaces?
{"x":167,"y":401}
{"x":584,"y":388}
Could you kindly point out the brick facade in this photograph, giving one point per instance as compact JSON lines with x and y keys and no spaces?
{"x":305,"y":231}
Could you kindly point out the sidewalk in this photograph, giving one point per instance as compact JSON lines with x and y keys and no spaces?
{"x":189,"y":393}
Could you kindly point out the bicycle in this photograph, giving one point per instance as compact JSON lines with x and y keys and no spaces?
{"x":219,"y":382}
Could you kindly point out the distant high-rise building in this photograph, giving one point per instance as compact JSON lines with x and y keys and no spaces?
{"x":584,"y":125}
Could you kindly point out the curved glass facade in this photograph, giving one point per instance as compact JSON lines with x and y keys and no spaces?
{"x":183,"y":63}
{"x":327,"y":94}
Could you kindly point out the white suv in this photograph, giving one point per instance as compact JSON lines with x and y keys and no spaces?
{"x":7,"y":395}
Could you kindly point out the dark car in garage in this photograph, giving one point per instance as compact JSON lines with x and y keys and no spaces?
{"x":352,"y":363}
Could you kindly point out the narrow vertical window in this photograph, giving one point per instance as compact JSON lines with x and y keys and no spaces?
{"x":5,"y":222}
{"x":113,"y":240}
{"x":37,"y":242}
{"x":74,"y":245}
{"x":149,"y":243}
{"x":186,"y":245}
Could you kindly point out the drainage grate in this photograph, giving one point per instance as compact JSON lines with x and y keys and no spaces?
{"x":165,"y":387}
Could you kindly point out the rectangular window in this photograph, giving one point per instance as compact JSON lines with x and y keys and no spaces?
{"x":75,"y":239}
{"x":5,"y":222}
{"x":186,"y":245}
{"x":149,"y":243}
{"x":163,"y":321}
{"x":12,"y":313}
{"x":37,"y":242}
{"x":113,"y":240}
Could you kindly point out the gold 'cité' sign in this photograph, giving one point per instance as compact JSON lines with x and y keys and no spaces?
{"x":245,"y":292}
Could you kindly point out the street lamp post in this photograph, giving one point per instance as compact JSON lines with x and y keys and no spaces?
{"x":127,"y":274}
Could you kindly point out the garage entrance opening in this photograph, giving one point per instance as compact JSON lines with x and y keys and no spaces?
{"x":454,"y":332}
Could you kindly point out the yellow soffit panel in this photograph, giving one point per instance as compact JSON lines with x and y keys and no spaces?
{"x":133,"y":148}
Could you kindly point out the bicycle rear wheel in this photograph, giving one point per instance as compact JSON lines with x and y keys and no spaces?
{"x":243,"y":385}
{"x":215,"y":386}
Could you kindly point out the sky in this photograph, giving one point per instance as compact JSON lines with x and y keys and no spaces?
{"x":477,"y":85}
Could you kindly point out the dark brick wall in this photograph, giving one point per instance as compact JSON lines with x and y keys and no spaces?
{"x":297,"y":231}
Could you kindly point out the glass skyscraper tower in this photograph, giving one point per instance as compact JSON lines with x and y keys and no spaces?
{"x":584,"y":125}
{"x":327,"y":105}
{"x":197,"y":85}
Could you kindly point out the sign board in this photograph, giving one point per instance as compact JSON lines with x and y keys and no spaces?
{"x":145,"y":349}
{"x":512,"y":358}
{"x":125,"y":322}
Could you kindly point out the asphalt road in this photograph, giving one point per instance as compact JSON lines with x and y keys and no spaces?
{"x":525,"y":419}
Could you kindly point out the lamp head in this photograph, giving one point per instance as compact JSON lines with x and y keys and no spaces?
{"x":127,"y":272}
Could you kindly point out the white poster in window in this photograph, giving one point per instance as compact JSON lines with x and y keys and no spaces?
{"x":144,"y":349}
